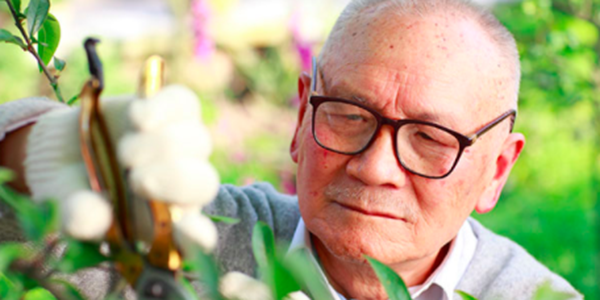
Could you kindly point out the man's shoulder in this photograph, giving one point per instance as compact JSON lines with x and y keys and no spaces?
{"x":501,"y":269}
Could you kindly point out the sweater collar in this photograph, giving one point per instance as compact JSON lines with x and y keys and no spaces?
{"x":439,"y":285}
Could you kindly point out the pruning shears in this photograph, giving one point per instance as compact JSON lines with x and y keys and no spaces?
{"x":151,"y":271}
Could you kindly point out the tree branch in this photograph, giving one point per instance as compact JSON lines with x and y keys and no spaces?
{"x":30,"y":49}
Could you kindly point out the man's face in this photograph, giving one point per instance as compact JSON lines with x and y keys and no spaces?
{"x":435,"y":69}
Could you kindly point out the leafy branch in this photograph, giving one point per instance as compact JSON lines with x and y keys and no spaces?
{"x":47,"y":28}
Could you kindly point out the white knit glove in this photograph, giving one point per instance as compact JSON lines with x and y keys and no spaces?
{"x":163,"y":143}
{"x":239,"y":286}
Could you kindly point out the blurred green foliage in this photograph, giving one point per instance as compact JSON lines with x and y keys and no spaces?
{"x":549,"y":205}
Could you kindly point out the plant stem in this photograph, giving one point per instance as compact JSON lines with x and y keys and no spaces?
{"x":30,"y":49}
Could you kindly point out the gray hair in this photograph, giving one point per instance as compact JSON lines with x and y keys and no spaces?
{"x":498,"y":34}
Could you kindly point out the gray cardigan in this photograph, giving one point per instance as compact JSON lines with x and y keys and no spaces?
{"x":500,"y":269}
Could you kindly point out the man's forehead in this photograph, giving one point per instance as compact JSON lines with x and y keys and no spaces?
{"x":435,"y":38}
{"x":417,"y":57}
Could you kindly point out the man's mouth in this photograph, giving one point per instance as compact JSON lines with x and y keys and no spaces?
{"x":369,"y":212}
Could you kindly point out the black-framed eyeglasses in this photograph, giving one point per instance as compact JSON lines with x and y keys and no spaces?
{"x":422,"y":148}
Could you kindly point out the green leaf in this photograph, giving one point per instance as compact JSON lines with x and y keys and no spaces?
{"x":545,"y":292}
{"x":38,"y":220}
{"x":393,"y":284}
{"x":465,"y":295}
{"x":187,"y":285}
{"x":6,"y":175}
{"x":223,"y":219}
{"x":59,"y":64}
{"x":263,"y":245}
{"x":39,"y":294}
{"x":6,"y":36}
{"x":272,"y":270}
{"x":37,"y":12}
{"x":48,"y":39}
{"x":8,"y":289}
{"x":11,"y":251}
{"x":207,"y":270}
{"x":80,"y":255}
{"x":305,"y":271}
{"x":73,"y":100}
{"x":24,"y":280}
{"x":16,"y":5}
{"x":283,"y":280}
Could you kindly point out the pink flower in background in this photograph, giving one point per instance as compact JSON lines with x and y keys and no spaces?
{"x":204,"y":46}
{"x":248,"y":181}
{"x":239,"y":157}
{"x":302,"y":45}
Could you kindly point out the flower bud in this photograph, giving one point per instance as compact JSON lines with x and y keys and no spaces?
{"x":86,"y":216}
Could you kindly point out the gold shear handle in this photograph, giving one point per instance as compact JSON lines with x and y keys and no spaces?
{"x":103,"y":171}
{"x":163,"y":252}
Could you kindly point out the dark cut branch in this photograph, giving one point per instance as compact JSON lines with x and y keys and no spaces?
{"x":30,"y":49}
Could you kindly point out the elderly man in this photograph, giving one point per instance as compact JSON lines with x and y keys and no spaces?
{"x":405,"y":128}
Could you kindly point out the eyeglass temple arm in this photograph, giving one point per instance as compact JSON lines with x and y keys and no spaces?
{"x":313,"y":83}
{"x":491,"y":125}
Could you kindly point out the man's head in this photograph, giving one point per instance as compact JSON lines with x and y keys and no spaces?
{"x":439,"y":61}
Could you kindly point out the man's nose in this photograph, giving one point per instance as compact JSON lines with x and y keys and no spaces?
{"x":377,"y":165}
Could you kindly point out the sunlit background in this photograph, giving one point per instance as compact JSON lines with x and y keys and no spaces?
{"x":243,"y":57}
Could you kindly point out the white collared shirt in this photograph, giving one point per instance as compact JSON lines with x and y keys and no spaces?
{"x":440,"y":285}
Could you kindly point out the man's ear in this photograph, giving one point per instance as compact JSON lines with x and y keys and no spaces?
{"x":508,"y":156}
{"x":304,"y":82}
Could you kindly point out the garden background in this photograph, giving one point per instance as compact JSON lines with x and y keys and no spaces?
{"x":243,"y":57}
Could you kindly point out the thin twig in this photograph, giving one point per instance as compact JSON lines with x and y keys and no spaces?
{"x":31,"y":50}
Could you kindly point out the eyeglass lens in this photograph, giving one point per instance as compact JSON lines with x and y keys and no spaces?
{"x":421,"y":148}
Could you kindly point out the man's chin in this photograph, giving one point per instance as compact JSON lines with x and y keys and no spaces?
{"x":354,"y":247}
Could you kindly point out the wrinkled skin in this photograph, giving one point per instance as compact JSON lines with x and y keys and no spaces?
{"x":438,"y":68}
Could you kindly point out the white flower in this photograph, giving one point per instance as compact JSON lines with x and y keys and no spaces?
{"x":184,"y":181}
{"x":239,"y":286}
{"x":181,"y":139}
{"x":296,"y":296}
{"x":86,"y":216}
{"x":193,"y":230}
{"x":173,"y":103}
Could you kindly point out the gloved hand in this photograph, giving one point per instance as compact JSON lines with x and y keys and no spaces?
{"x":160,"y":140}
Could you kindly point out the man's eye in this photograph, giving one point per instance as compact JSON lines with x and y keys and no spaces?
{"x":433,"y":138}
{"x":424,"y":136}
{"x":354,"y":117}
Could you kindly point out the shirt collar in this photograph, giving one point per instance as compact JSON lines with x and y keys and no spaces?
{"x":446,"y":276}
